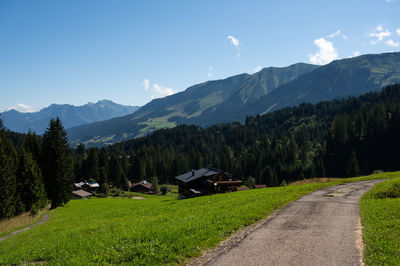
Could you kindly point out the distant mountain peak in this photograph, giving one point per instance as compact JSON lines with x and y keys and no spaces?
{"x":69,"y":114}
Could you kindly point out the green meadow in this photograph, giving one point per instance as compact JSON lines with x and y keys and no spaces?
{"x":380,"y":217}
{"x":156,"y":230}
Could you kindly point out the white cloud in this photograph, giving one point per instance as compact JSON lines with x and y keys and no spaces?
{"x":356,"y":53}
{"x":158,"y":91}
{"x":257,"y":68}
{"x":161,"y":91}
{"x":146,"y":84}
{"x":338,"y":33}
{"x":209,"y":74}
{"x":20,"y":107}
{"x":391,"y":43}
{"x":398,"y":31}
{"x":326,"y":52}
{"x":335,"y":34}
{"x":234,"y":41}
{"x":390,"y":1}
{"x":379,"y":34}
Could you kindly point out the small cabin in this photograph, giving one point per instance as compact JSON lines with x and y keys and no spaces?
{"x":80,"y":194}
{"x":142,"y":187}
{"x":91,"y":186}
{"x":205,"y":181}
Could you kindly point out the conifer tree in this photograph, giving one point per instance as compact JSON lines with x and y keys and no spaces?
{"x":8,"y":181}
{"x":352,"y":168}
{"x":30,"y":183}
{"x":115,"y":172}
{"x":56,"y":164}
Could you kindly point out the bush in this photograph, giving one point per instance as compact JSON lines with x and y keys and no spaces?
{"x":115,"y":192}
{"x":164,"y":189}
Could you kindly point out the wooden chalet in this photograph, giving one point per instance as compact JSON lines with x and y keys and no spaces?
{"x":80,"y":194}
{"x":206,"y":181}
{"x":142,"y":187}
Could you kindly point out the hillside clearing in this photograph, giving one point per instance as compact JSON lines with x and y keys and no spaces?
{"x":158,"y":230}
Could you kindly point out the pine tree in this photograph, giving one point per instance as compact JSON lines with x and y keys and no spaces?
{"x":93,"y":165}
{"x":30,"y":183}
{"x":56,"y":164}
{"x":115,"y":172}
{"x":154,"y":184}
{"x":352,"y":168}
{"x":8,"y":182}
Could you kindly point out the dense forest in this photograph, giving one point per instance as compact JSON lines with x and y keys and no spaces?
{"x":338,"y":138}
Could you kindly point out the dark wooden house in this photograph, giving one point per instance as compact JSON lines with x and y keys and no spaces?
{"x":142,"y":187}
{"x":205,"y":181}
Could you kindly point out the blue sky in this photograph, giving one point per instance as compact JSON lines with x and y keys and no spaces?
{"x":132,"y":51}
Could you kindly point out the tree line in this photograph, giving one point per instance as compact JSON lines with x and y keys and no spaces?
{"x":34,"y":170}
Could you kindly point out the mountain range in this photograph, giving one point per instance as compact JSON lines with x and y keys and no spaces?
{"x":70,"y":115}
{"x":235,"y":98}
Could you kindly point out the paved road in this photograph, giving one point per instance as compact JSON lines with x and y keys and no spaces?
{"x":321,"y":228}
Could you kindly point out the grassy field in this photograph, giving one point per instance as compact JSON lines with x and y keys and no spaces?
{"x":380,"y":217}
{"x":153,"y":231}
{"x":18,"y":222}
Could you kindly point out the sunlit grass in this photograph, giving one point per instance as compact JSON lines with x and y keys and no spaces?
{"x":380,"y":217}
{"x":153,"y":231}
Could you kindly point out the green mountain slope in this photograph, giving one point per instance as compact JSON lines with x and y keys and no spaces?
{"x":239,"y":96}
{"x":69,"y":114}
{"x":341,"y":78}
{"x":191,"y":104}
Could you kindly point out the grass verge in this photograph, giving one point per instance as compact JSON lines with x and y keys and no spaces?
{"x":10,"y":225}
{"x":380,"y":217}
{"x":159,"y":230}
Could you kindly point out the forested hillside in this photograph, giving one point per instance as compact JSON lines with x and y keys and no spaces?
{"x":339,"y":138}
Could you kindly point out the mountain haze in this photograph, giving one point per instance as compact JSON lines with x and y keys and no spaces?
{"x":234,"y":98}
{"x":69,"y":114}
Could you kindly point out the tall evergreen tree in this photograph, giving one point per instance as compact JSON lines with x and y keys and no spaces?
{"x":93,"y":165}
{"x":56,"y":164}
{"x":352,"y":168}
{"x":30,"y":183}
{"x":8,"y":182}
{"x":115,"y":172}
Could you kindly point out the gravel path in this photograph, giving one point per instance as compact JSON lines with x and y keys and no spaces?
{"x":44,"y":219}
{"x":322,"y":228}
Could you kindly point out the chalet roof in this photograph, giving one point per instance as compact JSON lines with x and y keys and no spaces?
{"x":81,"y":193}
{"x":79,"y":184}
{"x":93,"y":184}
{"x":89,"y":184}
{"x":143,"y":183}
{"x":195,"y":174}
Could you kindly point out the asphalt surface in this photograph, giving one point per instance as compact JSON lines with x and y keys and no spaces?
{"x":322,"y":228}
